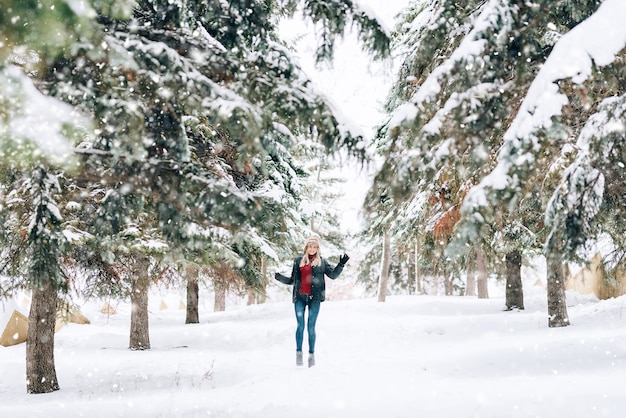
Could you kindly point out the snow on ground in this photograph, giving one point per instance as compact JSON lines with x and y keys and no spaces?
{"x":427,"y":356}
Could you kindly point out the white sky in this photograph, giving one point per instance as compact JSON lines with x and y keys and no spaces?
{"x":357,"y":87}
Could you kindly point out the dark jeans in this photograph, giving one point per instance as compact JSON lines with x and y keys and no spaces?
{"x":302,"y":302}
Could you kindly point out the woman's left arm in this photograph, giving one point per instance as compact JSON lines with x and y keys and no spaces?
{"x":333,"y":273}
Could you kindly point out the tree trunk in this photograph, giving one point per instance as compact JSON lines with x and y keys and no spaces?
{"x":471,"y":283}
{"x":139,"y":324}
{"x":41,"y":376}
{"x":514,"y":291}
{"x":411,"y":270}
{"x":471,"y":276}
{"x":259,"y":297}
{"x":262,"y":297}
{"x":557,"y":308}
{"x":193,"y":316}
{"x":418,"y":279}
{"x":220,"y":298}
{"x":447,"y":284}
{"x":481,"y":280}
{"x":251,"y":297}
{"x":384,"y":268}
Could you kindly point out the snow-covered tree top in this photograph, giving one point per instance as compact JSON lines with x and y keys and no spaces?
{"x":34,"y":117}
{"x":595,"y":41}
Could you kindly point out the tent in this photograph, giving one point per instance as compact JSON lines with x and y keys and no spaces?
{"x":13,"y":324}
{"x":107,"y":309}
{"x":67,"y":313}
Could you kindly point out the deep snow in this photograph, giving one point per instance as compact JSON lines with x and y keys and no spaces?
{"x":426,"y":356}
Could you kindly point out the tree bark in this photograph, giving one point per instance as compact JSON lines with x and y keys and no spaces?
{"x":448,"y":283}
{"x":557,"y":307}
{"x":411,"y":270}
{"x":471,"y":276}
{"x":220,"y":298}
{"x":471,"y":283}
{"x":514,"y":297}
{"x":418,"y":279}
{"x":41,"y":376}
{"x":261,"y":298}
{"x":481,"y":280}
{"x":251,"y":297}
{"x":384,"y":268}
{"x":193,"y":316}
{"x":139,"y":324}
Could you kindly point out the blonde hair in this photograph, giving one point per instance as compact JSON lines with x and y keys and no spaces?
{"x":312,"y":241}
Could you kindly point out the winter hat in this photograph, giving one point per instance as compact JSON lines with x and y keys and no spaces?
{"x":312,"y":241}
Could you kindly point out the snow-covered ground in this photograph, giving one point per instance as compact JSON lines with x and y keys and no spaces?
{"x":412,"y":356}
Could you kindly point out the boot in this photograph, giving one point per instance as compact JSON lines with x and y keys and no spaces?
{"x":311,"y":360}
{"x":299,"y":358}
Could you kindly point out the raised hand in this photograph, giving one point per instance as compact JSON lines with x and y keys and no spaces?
{"x":344,"y":259}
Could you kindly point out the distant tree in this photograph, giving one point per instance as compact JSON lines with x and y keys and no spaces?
{"x":190,"y":275}
{"x":514,"y":291}
{"x":383,"y":278}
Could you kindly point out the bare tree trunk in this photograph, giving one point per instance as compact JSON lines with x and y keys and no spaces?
{"x":193,"y":316}
{"x":447,"y":284}
{"x":514,"y":291}
{"x":384,"y":268}
{"x":139,"y":324}
{"x":220,"y":298}
{"x":41,"y":376}
{"x":557,"y":308}
{"x":471,"y":275}
{"x":410,"y":270}
{"x":471,"y":283}
{"x":261,"y":298}
{"x":251,"y":297}
{"x":481,"y":280}
{"x":418,"y":279}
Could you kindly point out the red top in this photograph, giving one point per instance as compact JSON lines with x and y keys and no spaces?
{"x":306,"y":278}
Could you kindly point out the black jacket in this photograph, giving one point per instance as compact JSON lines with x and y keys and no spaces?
{"x":318,"y":285}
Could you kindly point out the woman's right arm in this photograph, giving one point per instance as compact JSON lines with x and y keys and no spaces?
{"x":287,"y":279}
{"x":283,"y":279}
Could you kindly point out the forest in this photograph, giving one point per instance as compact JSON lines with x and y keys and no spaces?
{"x":179,"y":143}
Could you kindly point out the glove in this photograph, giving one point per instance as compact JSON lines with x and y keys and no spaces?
{"x":344,"y":259}
{"x":277,"y":276}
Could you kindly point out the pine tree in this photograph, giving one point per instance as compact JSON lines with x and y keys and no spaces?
{"x":536,"y":136}
{"x":451,"y":107}
{"x":44,"y":243}
{"x":589,"y":201}
{"x":35,"y":143}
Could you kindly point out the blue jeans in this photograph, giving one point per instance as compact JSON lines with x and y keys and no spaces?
{"x":301,"y":303}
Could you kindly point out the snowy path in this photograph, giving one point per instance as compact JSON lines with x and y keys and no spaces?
{"x":409,"y":357}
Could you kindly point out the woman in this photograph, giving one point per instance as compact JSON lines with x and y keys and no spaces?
{"x":309,"y":290}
